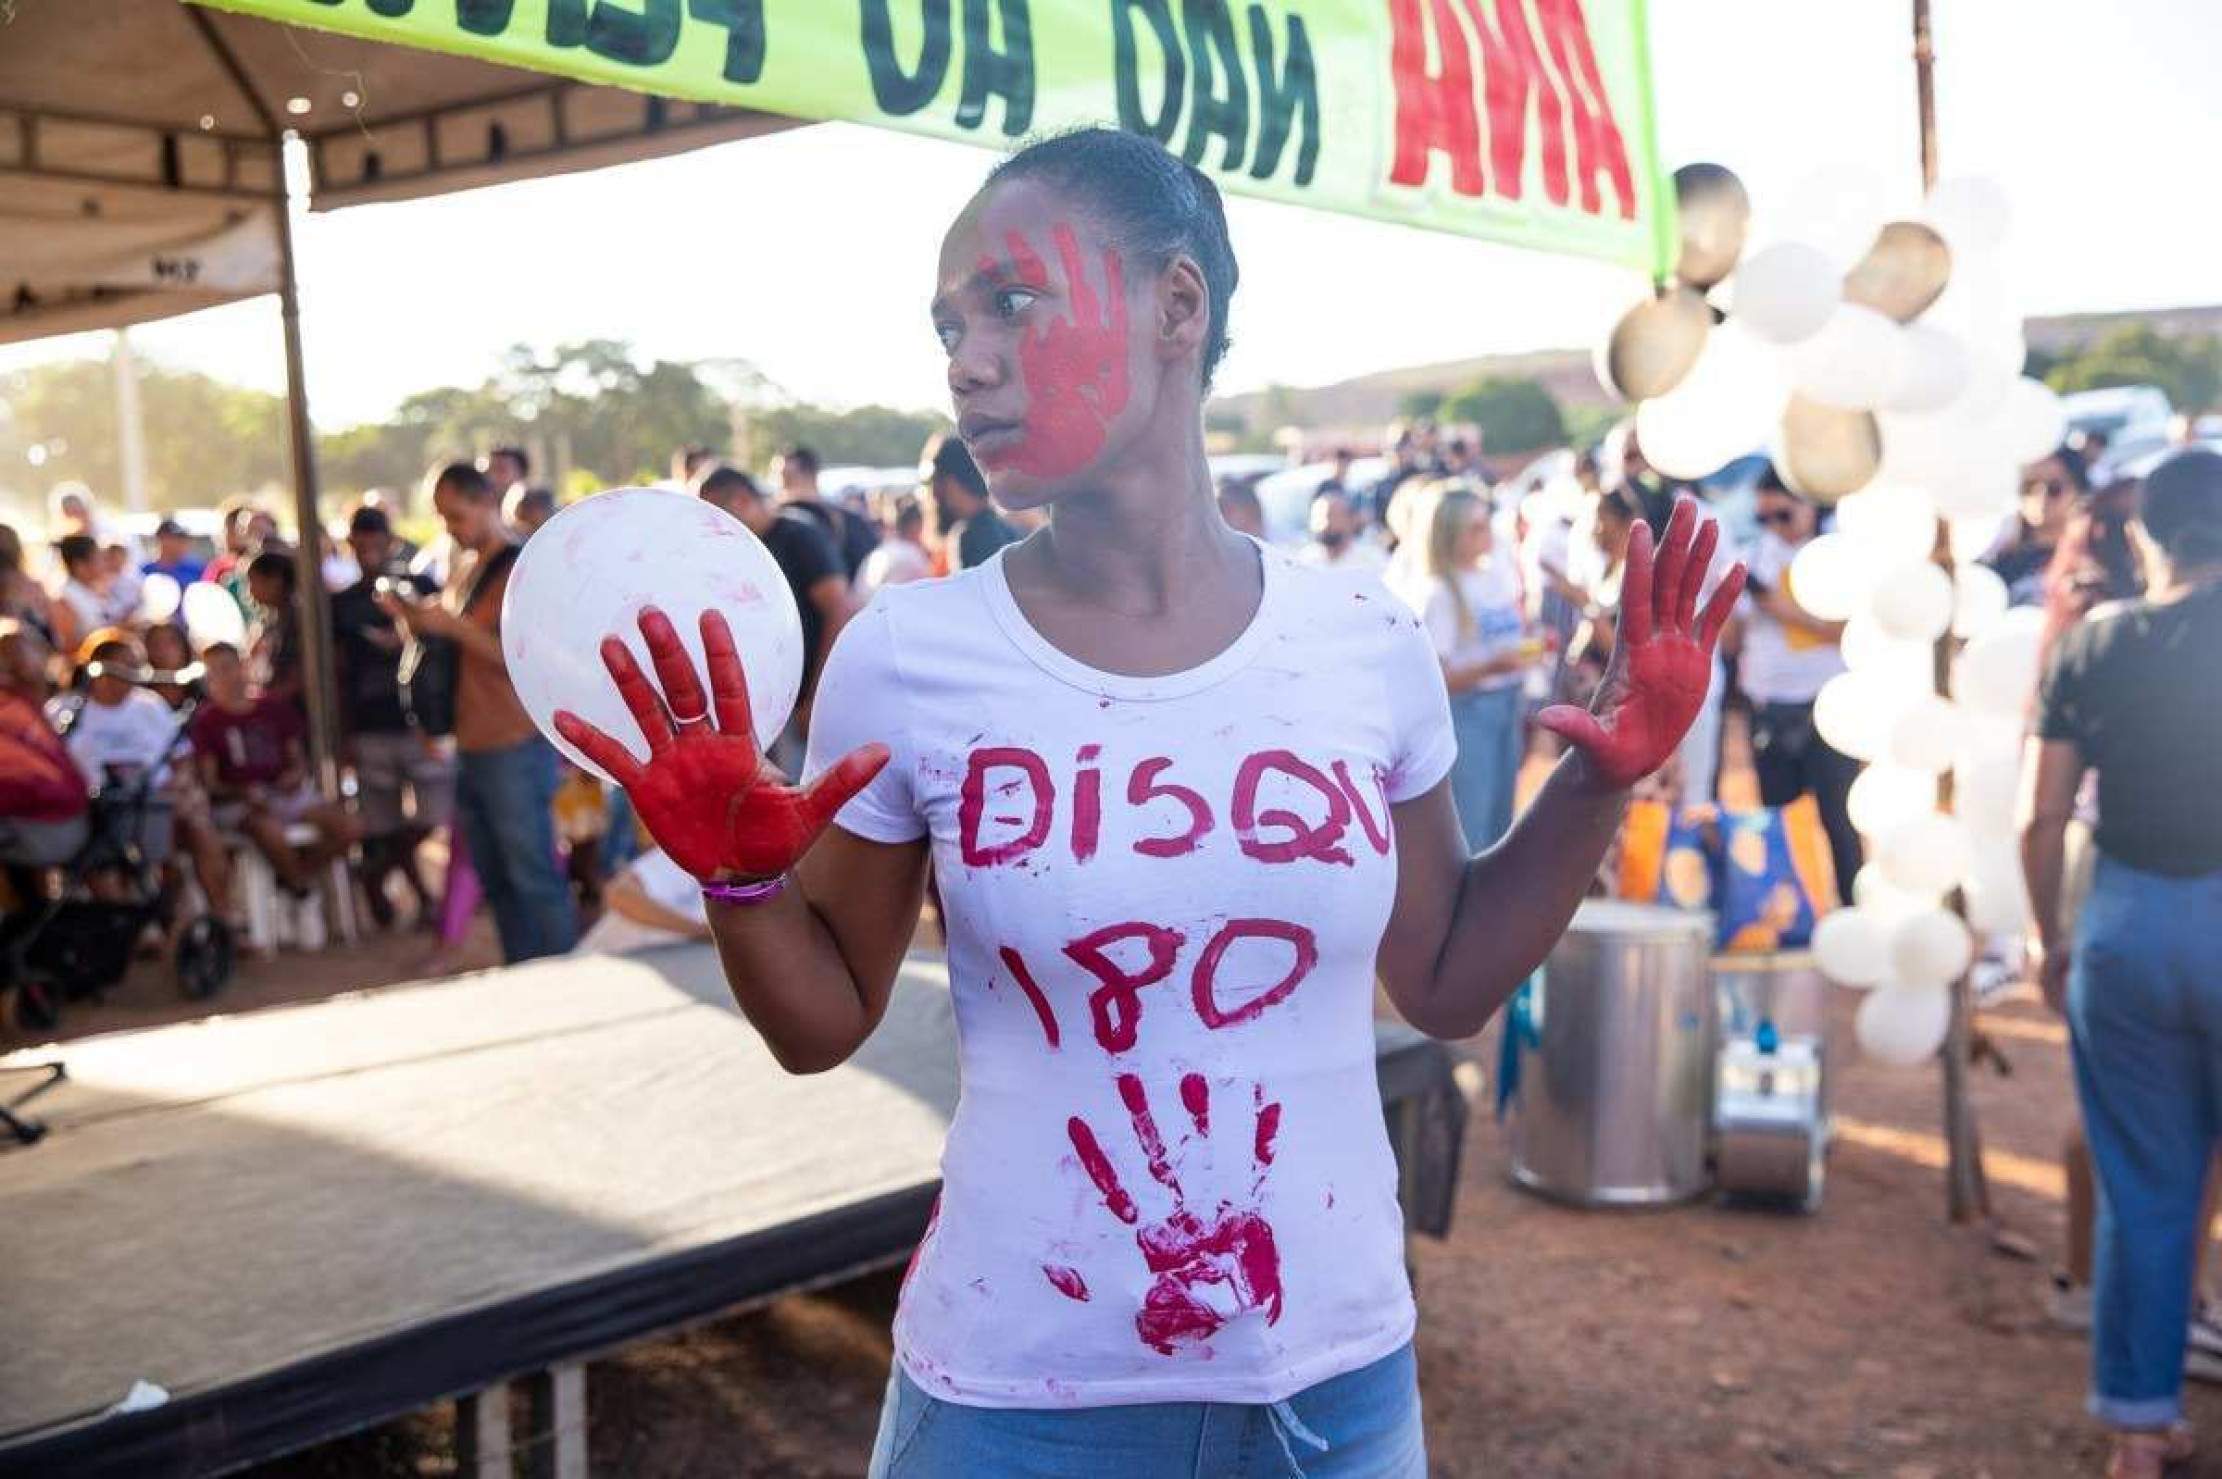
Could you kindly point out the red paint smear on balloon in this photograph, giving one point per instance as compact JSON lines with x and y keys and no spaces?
{"x":1196,"y":1095}
{"x":1074,"y":371}
{"x":1067,"y":1281}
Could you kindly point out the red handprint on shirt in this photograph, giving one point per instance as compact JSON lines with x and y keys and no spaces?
{"x":1208,"y":1268}
{"x":707,"y":794}
{"x":1663,"y":661}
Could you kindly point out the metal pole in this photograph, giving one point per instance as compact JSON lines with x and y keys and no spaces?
{"x":315,"y":613}
{"x":1967,"y":1193}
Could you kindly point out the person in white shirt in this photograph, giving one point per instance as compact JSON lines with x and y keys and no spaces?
{"x":1787,"y":655}
{"x":1186,"y":799}
{"x":652,"y":901}
{"x":1336,"y":543}
{"x":1468,"y":597}
{"x":901,"y":557}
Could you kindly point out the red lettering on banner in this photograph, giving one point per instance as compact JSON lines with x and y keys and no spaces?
{"x":1141,"y":788}
{"x":1377,"y":832}
{"x":1203,"y":983}
{"x":972,"y":800}
{"x":1436,"y":110}
{"x":1116,"y":1005}
{"x":1087,"y":804}
{"x":1322,"y":840}
{"x":1016,"y":965}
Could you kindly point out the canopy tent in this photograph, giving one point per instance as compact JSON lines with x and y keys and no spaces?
{"x":143,"y":174}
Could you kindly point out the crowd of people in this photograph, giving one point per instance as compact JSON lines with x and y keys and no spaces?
{"x":99,"y":692}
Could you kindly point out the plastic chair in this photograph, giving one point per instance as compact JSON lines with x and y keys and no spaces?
{"x":271,"y":920}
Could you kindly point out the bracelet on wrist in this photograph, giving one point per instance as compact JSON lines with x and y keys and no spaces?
{"x":746,"y":891}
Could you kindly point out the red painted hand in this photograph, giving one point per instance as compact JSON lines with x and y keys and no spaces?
{"x":707,"y":794}
{"x":1206,"y":1268}
{"x":1663,"y":660}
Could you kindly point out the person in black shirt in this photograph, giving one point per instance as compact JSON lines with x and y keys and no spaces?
{"x":404,"y":780}
{"x":854,"y":536}
{"x":971,"y":530}
{"x":813,"y":570}
{"x":2135,"y":694}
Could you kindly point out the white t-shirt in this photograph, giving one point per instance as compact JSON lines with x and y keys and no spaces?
{"x":132,"y":735}
{"x":895,"y":562}
{"x":665,"y":883}
{"x":1360,"y":554}
{"x":1492,"y":601}
{"x":1167,"y":1178}
{"x":1781,"y":666}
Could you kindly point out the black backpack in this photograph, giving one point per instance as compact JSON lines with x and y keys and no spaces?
{"x":431,"y":666}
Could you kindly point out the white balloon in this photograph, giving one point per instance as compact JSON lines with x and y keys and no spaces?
{"x":588,"y":572}
{"x":1930,"y":948}
{"x":1839,"y":208}
{"x":1856,"y":362}
{"x":1925,"y":854}
{"x":2035,"y":418}
{"x":1853,"y":713}
{"x":1828,"y":577}
{"x":1724,"y":409}
{"x":1973,"y":538}
{"x":1971,"y":213}
{"x":1785,"y":292}
{"x":1909,"y":667}
{"x":1914,"y":602}
{"x":211,"y":615}
{"x":159,"y":595}
{"x":1936,"y":372}
{"x":1921,"y":451}
{"x":1886,"y":797}
{"x":1891,"y":523}
{"x":1984,"y":798}
{"x":1903,"y":1026}
{"x":1924,"y":735}
{"x":1888,"y":902}
{"x":1997,"y":672}
{"x":1997,"y":901}
{"x":1979,"y":599}
{"x":1852,"y":947}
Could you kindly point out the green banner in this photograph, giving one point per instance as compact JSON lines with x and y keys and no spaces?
{"x":1526,"y":121}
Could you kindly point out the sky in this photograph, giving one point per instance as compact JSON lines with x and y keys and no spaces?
{"x":811,"y":253}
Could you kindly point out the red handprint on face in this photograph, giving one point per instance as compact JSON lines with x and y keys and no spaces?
{"x":706,"y":793}
{"x":1075,"y":372}
{"x":1662,"y":662}
{"x":1208,"y":1269}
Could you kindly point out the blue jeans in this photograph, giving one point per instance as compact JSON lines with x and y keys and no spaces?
{"x":505,"y":801}
{"x":1487,"y":723}
{"x":1364,"y":1424}
{"x":2145,"y":1014}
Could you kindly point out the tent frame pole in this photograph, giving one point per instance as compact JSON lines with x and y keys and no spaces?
{"x":312,"y":611}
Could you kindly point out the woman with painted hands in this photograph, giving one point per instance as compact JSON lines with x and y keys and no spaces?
{"x":1184,"y":798}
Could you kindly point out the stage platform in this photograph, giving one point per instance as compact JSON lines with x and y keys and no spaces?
{"x":303,"y":1221}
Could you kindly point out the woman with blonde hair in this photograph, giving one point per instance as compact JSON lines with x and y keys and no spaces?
{"x":1468,"y":597}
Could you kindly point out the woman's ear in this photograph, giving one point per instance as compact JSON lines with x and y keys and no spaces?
{"x":1183,"y":316}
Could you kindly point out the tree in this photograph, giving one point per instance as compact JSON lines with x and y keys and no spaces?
{"x":873,"y":435}
{"x":204,"y":439}
{"x":2188,"y":367}
{"x":1514,"y":415}
{"x":1420,"y":405}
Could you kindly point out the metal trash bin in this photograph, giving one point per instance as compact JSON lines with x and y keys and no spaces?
{"x":1770,"y":1113}
{"x":1613,"y":1104}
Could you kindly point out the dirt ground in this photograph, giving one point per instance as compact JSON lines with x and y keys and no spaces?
{"x":1870,"y":1339}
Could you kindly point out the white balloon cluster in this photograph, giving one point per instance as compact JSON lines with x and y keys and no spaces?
{"x":1879,"y":362}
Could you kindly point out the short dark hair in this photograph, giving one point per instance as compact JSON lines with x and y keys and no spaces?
{"x":722,"y":480}
{"x":802,"y":457}
{"x":1621,"y":506}
{"x":369,"y":520}
{"x":687,"y":460}
{"x":515,"y":454}
{"x":535,"y":495}
{"x":1770,"y":480}
{"x":71,"y":548}
{"x":219,"y":649}
{"x":1157,"y":205}
{"x":274,"y":565}
{"x":948,"y":457}
{"x":465,"y":479}
{"x":1242,"y":495}
{"x":909,"y":514}
{"x":2183,"y":505}
{"x":2074,"y":464}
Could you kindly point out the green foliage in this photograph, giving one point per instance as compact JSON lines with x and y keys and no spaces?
{"x":1416,"y":405}
{"x":2188,"y":367}
{"x":1514,"y":415}
{"x":204,"y":438}
{"x":1586,"y":425}
{"x":874,"y":436}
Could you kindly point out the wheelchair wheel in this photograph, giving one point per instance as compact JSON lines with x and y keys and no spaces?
{"x":204,"y":957}
{"x":37,"y":1006}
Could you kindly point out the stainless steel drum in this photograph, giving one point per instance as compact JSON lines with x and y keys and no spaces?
{"x":1614,"y":1060}
{"x":1770,"y":1115}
